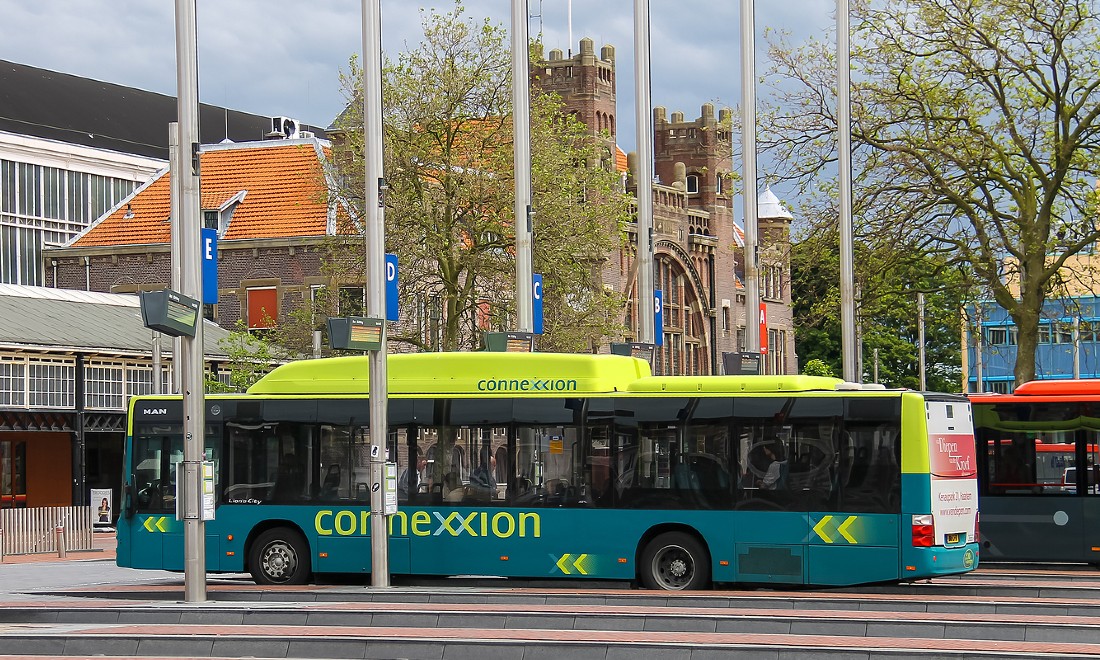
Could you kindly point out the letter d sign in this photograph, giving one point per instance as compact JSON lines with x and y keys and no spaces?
{"x":391,"y":288}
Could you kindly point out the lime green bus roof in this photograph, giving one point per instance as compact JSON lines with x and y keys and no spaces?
{"x":734,"y":384}
{"x":510,"y":374}
{"x":460,"y":373}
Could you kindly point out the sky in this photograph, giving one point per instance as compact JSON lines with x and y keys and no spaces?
{"x":283,"y":58}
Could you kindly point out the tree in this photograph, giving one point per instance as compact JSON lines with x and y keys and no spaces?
{"x":888,"y":280}
{"x":250,"y":357}
{"x":449,"y":206}
{"x":975,"y":136}
{"x":817,"y":367}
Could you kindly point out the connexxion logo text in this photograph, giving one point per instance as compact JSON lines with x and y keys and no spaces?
{"x":501,"y":524}
{"x":526,"y":385}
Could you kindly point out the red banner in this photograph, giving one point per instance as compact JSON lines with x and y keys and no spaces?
{"x":763,"y":328}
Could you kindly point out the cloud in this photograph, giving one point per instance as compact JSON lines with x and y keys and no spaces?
{"x":283,"y":57}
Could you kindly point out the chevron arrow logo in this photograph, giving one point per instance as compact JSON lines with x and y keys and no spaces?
{"x":153,"y":525}
{"x":563,"y":564}
{"x":843,"y":529}
{"x":569,"y":564}
{"x":824,"y":528}
{"x":819,"y":529}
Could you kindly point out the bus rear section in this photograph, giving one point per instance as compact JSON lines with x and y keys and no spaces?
{"x":940,"y":496}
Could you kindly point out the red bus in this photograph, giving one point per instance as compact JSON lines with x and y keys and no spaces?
{"x":1036,"y":504}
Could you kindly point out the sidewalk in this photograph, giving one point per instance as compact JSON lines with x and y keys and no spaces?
{"x":103,"y":547}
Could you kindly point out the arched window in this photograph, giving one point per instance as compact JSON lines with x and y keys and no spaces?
{"x":692,"y":183}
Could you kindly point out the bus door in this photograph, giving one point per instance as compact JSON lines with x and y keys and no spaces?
{"x":1031,"y":507}
{"x":153,"y":536}
{"x":852,"y":493}
{"x":770,"y":526}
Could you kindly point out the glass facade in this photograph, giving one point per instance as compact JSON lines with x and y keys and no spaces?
{"x":43,"y":207}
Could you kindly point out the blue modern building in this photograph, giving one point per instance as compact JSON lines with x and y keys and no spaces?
{"x":1068,"y":347}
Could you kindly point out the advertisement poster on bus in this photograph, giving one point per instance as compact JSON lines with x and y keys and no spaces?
{"x":953,"y":470}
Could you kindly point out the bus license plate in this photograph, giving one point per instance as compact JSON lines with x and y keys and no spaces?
{"x":952,"y":539}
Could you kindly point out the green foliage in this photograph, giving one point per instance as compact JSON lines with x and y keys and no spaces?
{"x":975,"y":131}
{"x":889,"y":278}
{"x":449,"y":214}
{"x":251,"y":356}
{"x":817,"y":367}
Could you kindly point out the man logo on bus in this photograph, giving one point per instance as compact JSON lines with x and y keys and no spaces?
{"x":968,"y":558}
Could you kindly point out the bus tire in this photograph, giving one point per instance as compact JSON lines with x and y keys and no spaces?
{"x":675,"y":561}
{"x":280,"y":556}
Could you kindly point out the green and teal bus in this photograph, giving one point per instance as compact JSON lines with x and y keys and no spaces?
{"x":542,"y":465}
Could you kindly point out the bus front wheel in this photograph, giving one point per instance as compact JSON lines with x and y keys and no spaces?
{"x":675,"y":561}
{"x":280,"y":556}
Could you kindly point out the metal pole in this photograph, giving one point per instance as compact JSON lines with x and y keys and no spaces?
{"x":375,"y":233}
{"x":979,"y":361}
{"x":748,"y":147}
{"x":876,"y":366}
{"x":521,"y":120}
{"x":920,"y":340}
{"x":194,"y":423}
{"x":844,"y":158}
{"x":644,"y":116}
{"x":157,"y":366}
{"x":1076,"y":347}
{"x":176,"y":281}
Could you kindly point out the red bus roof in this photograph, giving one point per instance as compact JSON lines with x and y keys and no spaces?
{"x":1086,"y":387}
{"x":1045,"y":391}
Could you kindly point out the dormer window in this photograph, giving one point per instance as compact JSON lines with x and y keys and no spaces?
{"x":209,"y":219}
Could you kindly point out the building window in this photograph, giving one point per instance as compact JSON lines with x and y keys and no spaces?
{"x":139,"y":380}
{"x":692,"y":183}
{"x":103,"y":385}
{"x":13,"y":382}
{"x":263,"y":307}
{"x":51,"y":383}
{"x":1044,"y":333}
{"x":210,"y":219}
{"x":1086,"y":331}
{"x":1062,"y":333}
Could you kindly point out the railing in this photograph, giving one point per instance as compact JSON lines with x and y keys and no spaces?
{"x":54,"y":529}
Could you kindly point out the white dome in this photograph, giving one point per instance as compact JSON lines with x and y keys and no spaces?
{"x":769,"y":206}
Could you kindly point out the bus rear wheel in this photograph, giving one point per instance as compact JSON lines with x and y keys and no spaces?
{"x":280,"y":556}
{"x":675,"y":561}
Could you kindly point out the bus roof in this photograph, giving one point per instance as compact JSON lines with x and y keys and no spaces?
{"x":733,"y":384}
{"x":1080,"y":387}
{"x":460,"y":373}
{"x":512,"y":374}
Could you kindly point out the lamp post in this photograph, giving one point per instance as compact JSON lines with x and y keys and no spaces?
{"x":644,"y":115}
{"x":375,"y":238}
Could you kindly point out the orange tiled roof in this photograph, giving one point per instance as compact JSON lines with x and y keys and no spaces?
{"x":284,"y":196}
{"x":620,"y":159}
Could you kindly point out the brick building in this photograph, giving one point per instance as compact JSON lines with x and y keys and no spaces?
{"x":699,"y":246}
{"x":268,"y":202}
